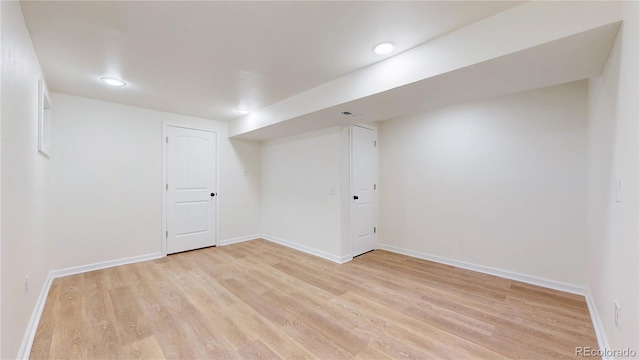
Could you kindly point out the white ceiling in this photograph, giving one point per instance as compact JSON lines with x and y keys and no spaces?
{"x":207,"y":59}
{"x":533,"y":45}
{"x":565,"y":60}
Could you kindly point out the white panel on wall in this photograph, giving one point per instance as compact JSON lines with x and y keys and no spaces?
{"x":499,"y":183}
{"x":297,"y":175}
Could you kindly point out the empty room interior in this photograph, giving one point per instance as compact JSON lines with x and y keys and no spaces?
{"x":329,"y":179}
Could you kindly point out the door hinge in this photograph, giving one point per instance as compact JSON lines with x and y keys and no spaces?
{"x":167,"y":140}
{"x":167,"y":187}
{"x":375,"y":187}
{"x":375,"y":143}
{"x":167,"y":233}
{"x":375,"y":230}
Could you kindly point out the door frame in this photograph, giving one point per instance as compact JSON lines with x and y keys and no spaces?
{"x":375,"y":192}
{"x":165,"y":134}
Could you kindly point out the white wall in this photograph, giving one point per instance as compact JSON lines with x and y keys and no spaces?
{"x":614,"y":251}
{"x":499,"y":183}
{"x":1,"y":58}
{"x":24,"y":181}
{"x":242,"y":198}
{"x":297,"y":175}
{"x":106,"y":183}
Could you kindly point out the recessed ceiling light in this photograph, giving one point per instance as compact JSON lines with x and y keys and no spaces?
{"x":243,"y":111}
{"x":113,"y":82}
{"x":384,"y":48}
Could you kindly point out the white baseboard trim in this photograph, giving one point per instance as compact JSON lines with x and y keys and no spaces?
{"x":308,"y":250}
{"x":597,"y":324}
{"x":551,"y":284}
{"x":104,"y":265}
{"x":238,"y":239}
{"x":30,"y":333}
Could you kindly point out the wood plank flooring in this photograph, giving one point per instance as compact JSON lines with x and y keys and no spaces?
{"x":259,"y":300}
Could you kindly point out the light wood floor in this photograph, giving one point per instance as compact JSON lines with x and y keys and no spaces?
{"x":261,"y":300}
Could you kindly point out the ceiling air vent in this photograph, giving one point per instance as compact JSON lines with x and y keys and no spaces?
{"x":350,"y":113}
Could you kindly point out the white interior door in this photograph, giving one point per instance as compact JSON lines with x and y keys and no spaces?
{"x":363,"y":179}
{"x":191,"y":189}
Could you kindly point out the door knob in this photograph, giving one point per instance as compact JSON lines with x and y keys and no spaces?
{"x":355,"y":197}
{"x":213,"y":194}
